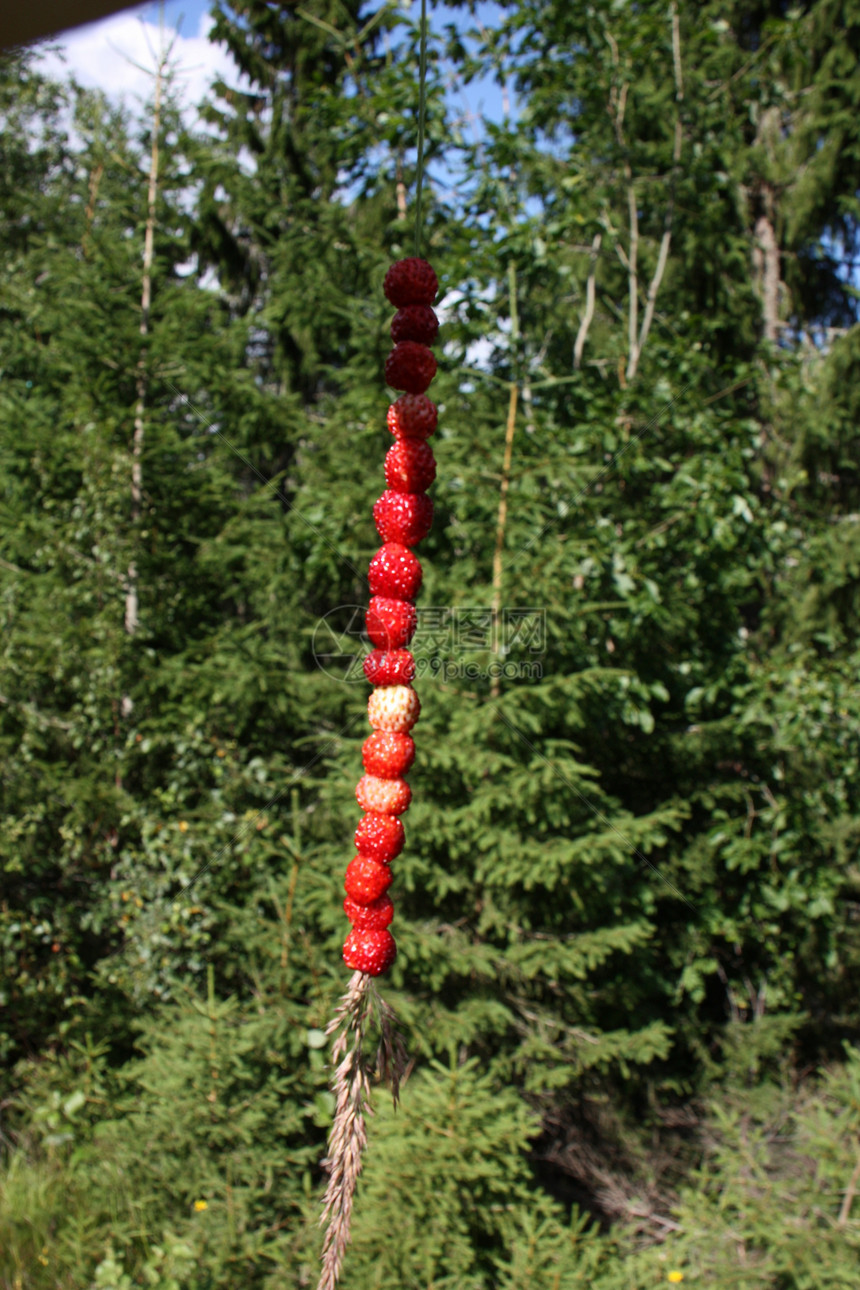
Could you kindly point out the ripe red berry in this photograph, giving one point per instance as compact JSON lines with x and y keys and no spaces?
{"x":396,"y":667}
{"x":395,"y":571}
{"x":390,"y":623}
{"x":372,"y":917}
{"x":415,"y":322}
{"x":393,"y":707}
{"x":410,"y":367}
{"x":412,"y":416}
{"x":410,"y":466}
{"x":386,"y":796}
{"x":403,"y":517}
{"x":410,"y":282}
{"x":387,"y":754}
{"x":380,"y":836}
{"x":369,"y":950}
{"x":366,"y":879}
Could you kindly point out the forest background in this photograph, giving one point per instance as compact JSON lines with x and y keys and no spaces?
{"x":628,"y":912}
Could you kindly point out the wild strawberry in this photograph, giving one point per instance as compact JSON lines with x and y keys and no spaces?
{"x":388,"y":753}
{"x":412,"y":416}
{"x":397,"y":667}
{"x":380,"y":836}
{"x":410,"y":367}
{"x":372,"y":917}
{"x":390,"y":623}
{"x":395,"y":571}
{"x":369,"y":950}
{"x":366,"y":879}
{"x":403,"y":517}
{"x":385,"y":796}
{"x":415,"y":322}
{"x":410,"y":282}
{"x":410,"y":466}
{"x":393,"y":707}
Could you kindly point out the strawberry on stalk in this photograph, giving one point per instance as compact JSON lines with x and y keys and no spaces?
{"x":389,"y":667}
{"x":412,"y":416}
{"x":379,"y":836}
{"x":403,"y":517}
{"x":370,"y":950}
{"x":410,"y":466}
{"x":410,"y":282}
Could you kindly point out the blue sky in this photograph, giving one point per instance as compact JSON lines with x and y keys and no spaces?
{"x":103,"y":54}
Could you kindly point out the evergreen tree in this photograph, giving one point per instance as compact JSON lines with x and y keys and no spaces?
{"x":629,"y":876}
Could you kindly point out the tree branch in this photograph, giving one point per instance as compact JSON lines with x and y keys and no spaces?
{"x":588,"y":313}
{"x":506,"y":479}
{"x":639,"y":344}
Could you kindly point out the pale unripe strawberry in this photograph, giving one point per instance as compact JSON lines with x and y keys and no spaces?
{"x":393,"y":707}
{"x":385,"y":796}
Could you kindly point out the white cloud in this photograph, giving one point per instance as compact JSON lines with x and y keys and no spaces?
{"x":102,"y":56}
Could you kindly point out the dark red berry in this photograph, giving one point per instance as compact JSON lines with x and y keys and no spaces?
{"x":410,"y":282}
{"x":412,"y":416}
{"x":410,"y":367}
{"x":415,"y":322}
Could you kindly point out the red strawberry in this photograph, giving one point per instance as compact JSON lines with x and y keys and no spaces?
{"x":410,"y":282}
{"x":380,"y":836}
{"x":396,"y":667}
{"x":366,"y":879}
{"x":403,"y":517}
{"x":415,"y":322}
{"x":410,"y":367}
{"x":410,"y":466}
{"x":368,"y":950}
{"x":387,"y":796}
{"x":393,"y":707}
{"x":395,"y":571}
{"x":388,"y":753}
{"x":390,"y":623}
{"x":372,"y":917}
{"x":412,"y":416}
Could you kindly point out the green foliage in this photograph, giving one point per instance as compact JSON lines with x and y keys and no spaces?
{"x":774,"y":1198}
{"x":630,"y":883}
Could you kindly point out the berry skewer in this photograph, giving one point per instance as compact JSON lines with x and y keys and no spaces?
{"x":403,"y":516}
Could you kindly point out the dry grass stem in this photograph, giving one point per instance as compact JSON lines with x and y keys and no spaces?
{"x":351,"y":1087}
